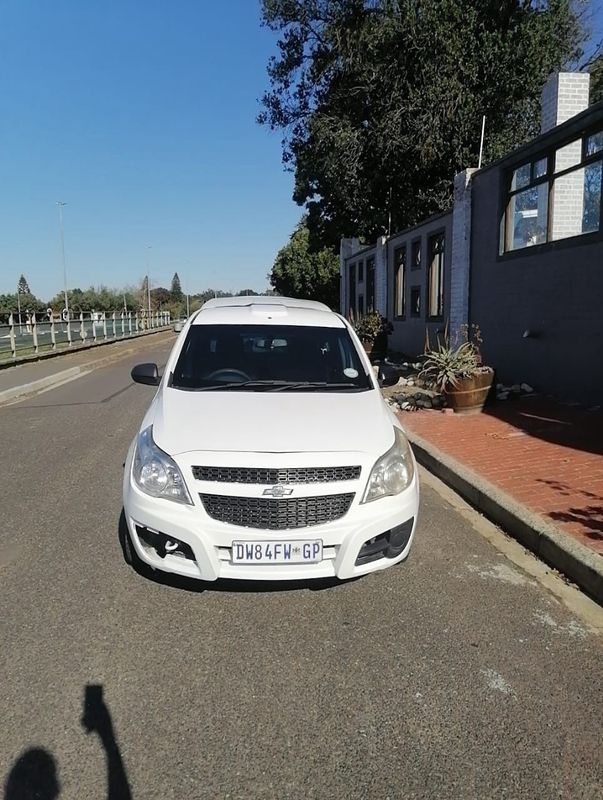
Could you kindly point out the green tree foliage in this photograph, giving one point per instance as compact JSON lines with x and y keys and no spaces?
{"x":380,"y":102}
{"x":23,"y":286}
{"x":596,"y":79}
{"x":161,"y":297}
{"x":176,"y":288}
{"x":96,"y":299}
{"x":300,"y":271}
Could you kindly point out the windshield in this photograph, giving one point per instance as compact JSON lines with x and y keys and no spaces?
{"x":269,"y":358}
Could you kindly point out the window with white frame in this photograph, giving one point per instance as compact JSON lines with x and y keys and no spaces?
{"x":370,"y":283}
{"x":556,"y":195}
{"x":352,"y":289}
{"x":399,"y":281}
{"x":435,"y":277}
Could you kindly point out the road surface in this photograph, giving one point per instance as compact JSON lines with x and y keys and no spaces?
{"x":468,"y":672}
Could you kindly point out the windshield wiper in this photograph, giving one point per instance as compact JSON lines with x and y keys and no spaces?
{"x":286,"y":385}
{"x":272,"y":386}
{"x":239,"y":385}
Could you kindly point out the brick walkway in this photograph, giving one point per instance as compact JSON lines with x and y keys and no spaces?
{"x":548,"y":457}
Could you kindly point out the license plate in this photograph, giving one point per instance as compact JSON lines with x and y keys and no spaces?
{"x":306,"y":552}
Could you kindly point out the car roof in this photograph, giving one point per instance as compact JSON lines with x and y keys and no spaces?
{"x":260,"y":310}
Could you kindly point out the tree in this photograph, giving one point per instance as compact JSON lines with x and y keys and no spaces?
{"x":596,"y":79}
{"x":23,"y":286}
{"x":144,"y":294}
{"x":300,"y":272}
{"x":380,"y":102}
{"x":176,"y":288}
{"x":161,"y":297}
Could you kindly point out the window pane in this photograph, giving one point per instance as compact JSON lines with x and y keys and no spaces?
{"x":370,"y":284}
{"x":594,"y":143}
{"x":415,"y":301}
{"x":540,"y":168}
{"x":416,"y":255}
{"x":436,"y":276}
{"x":352,"y":290}
{"x":360,"y":271}
{"x":527,"y":218}
{"x":568,"y":156}
{"x":577,"y":202}
{"x":399,"y":281}
{"x":521,"y":177}
{"x":591,"y":219}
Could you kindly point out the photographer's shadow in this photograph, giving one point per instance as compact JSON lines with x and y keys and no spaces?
{"x":34,"y":774}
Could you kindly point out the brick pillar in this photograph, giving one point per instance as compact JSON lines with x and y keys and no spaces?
{"x":460,"y":262}
{"x":564,"y":95}
{"x":381,"y":276}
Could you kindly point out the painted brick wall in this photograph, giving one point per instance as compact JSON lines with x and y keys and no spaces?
{"x":461,"y":252}
{"x":554,"y":291}
{"x":564,"y":95}
{"x":410,"y":333}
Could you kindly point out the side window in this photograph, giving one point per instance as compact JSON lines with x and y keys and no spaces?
{"x":399,"y":281}
{"x":415,"y":301}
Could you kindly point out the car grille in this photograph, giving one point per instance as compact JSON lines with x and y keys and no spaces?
{"x":276,"y":515}
{"x":271,"y":476}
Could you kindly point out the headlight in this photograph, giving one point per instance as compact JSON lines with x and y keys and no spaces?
{"x":393,"y":472}
{"x":156,"y":473}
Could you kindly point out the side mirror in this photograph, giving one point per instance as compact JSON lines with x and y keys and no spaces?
{"x":147,"y":374}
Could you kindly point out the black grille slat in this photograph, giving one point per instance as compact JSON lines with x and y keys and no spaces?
{"x":276,"y":515}
{"x":268,"y":476}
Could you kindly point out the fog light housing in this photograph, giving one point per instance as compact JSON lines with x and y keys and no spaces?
{"x":399,"y":538}
{"x":164,"y":545}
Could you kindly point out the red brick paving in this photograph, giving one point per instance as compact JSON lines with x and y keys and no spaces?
{"x":545,"y":455}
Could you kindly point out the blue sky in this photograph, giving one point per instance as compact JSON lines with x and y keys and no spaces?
{"x":140,"y":115}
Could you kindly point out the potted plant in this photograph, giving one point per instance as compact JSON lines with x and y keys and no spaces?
{"x":458,"y":372}
{"x":372,"y":330}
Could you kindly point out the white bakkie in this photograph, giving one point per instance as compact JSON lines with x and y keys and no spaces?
{"x":268,"y":452}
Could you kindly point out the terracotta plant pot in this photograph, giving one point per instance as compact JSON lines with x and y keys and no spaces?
{"x":470,"y":396}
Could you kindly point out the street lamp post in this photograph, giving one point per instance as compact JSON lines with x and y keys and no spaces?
{"x":149,"y":247}
{"x":60,"y":205}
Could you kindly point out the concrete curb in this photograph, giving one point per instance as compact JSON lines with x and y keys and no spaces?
{"x":33,"y":387}
{"x":79,"y":348}
{"x":552,"y":545}
{"x":43,"y":383}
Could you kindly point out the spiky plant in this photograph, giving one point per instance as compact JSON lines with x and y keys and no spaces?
{"x":448,"y":365}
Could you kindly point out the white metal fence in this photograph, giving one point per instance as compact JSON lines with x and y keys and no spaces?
{"x":29,"y":334}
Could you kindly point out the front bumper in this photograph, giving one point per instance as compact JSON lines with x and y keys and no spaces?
{"x":211,"y":541}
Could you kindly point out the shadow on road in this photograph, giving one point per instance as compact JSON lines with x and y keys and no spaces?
{"x":33,"y":777}
{"x":223,"y":585}
{"x":34,"y":774}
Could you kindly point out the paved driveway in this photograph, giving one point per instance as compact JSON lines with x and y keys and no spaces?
{"x":468,"y":672}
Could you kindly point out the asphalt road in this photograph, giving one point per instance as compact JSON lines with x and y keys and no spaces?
{"x":468,"y":672}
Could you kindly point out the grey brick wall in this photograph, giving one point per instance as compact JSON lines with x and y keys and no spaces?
{"x":554,"y":291}
{"x":410,"y":333}
{"x":381,"y":276}
{"x":461,"y":252}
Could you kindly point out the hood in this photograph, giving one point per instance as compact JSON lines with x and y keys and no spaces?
{"x":270,"y":422}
